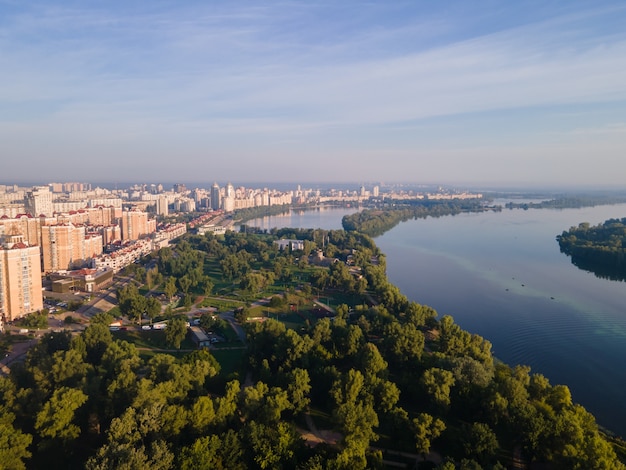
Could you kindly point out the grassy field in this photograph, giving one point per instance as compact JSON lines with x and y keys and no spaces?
{"x":222,"y":305}
{"x":151,"y":339}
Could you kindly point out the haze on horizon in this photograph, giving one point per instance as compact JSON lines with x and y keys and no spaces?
{"x":520,"y":93}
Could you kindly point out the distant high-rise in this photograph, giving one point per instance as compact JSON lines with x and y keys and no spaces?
{"x":38,"y":201}
{"x":375,"y":191}
{"x":20,"y":279}
{"x":215,"y":197}
{"x":162,"y":207}
{"x":230,"y":190}
{"x":180,"y":188}
{"x":228,"y":204}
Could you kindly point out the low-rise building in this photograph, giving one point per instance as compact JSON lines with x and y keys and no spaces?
{"x":291,"y":244}
{"x":199,"y":337}
{"x":85,"y":280}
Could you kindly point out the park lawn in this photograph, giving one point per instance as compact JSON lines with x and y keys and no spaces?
{"x":335,"y":298}
{"x":292,"y":320}
{"x":150,"y":339}
{"x":258,"y":311}
{"x":222,"y":305}
{"x":213,"y":269}
{"x":232,"y":339}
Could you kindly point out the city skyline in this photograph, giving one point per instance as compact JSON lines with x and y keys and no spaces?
{"x":482,"y":94}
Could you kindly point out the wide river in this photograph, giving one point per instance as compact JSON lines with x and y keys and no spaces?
{"x":502,"y":276}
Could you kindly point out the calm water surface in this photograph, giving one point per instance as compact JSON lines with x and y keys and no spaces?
{"x":323,"y":217}
{"x":501,"y":275}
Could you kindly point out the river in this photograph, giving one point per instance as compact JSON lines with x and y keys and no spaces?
{"x":502,"y":276}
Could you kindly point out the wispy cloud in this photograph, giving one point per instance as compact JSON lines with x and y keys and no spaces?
{"x":296,"y":69}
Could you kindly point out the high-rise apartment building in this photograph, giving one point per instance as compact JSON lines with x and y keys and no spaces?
{"x":20,"y":279}
{"x":38,"y":201}
{"x":216,"y":202}
{"x":23,"y":224}
{"x":136,"y":224}
{"x":162,"y":207}
{"x":57,"y":247}
{"x":66,"y":246}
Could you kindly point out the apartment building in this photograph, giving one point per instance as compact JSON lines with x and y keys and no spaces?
{"x":65,"y":246}
{"x":136,"y":224}
{"x":22,"y":224}
{"x":38,"y":201}
{"x":20,"y":279}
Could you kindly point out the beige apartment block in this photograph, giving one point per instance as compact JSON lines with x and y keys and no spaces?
{"x":66,"y":246}
{"x":20,"y":279}
{"x":135,"y":224}
{"x":110,"y":234}
{"x":38,"y":201}
{"x":103,"y":215}
{"x":57,"y":247}
{"x":23,"y":224}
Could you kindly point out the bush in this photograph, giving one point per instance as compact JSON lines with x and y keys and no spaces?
{"x":277,"y":301}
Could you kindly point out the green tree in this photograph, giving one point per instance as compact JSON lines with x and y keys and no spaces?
{"x":298,"y":388}
{"x":207,"y":285}
{"x":241,"y":315}
{"x":55,"y":420}
{"x":438,"y":383}
{"x":202,"y":414}
{"x":480,"y":441}
{"x":426,"y":429}
{"x":153,"y":308}
{"x":170,"y":288}
{"x":273,"y":447}
{"x":97,"y":338}
{"x":68,"y":368}
{"x":175,"y":331}
{"x":203,"y":454}
{"x":13,"y":447}
{"x":184,"y":283}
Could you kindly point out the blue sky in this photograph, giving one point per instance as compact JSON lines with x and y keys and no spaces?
{"x":472,"y":93}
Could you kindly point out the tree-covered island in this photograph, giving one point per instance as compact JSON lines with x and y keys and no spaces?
{"x":573,"y":201}
{"x":376,"y":221}
{"x":600,"y":249}
{"x":337,"y":370}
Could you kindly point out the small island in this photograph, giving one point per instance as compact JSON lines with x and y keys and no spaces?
{"x":378,"y":220}
{"x":599,"y":249}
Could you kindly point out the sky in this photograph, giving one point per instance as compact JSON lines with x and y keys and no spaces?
{"x":469,"y":93}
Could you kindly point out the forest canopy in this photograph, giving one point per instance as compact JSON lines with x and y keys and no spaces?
{"x":378,"y":379}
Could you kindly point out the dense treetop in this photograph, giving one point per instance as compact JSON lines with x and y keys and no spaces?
{"x":600,"y":249}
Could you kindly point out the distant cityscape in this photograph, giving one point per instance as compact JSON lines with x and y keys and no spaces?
{"x":77,"y":237}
